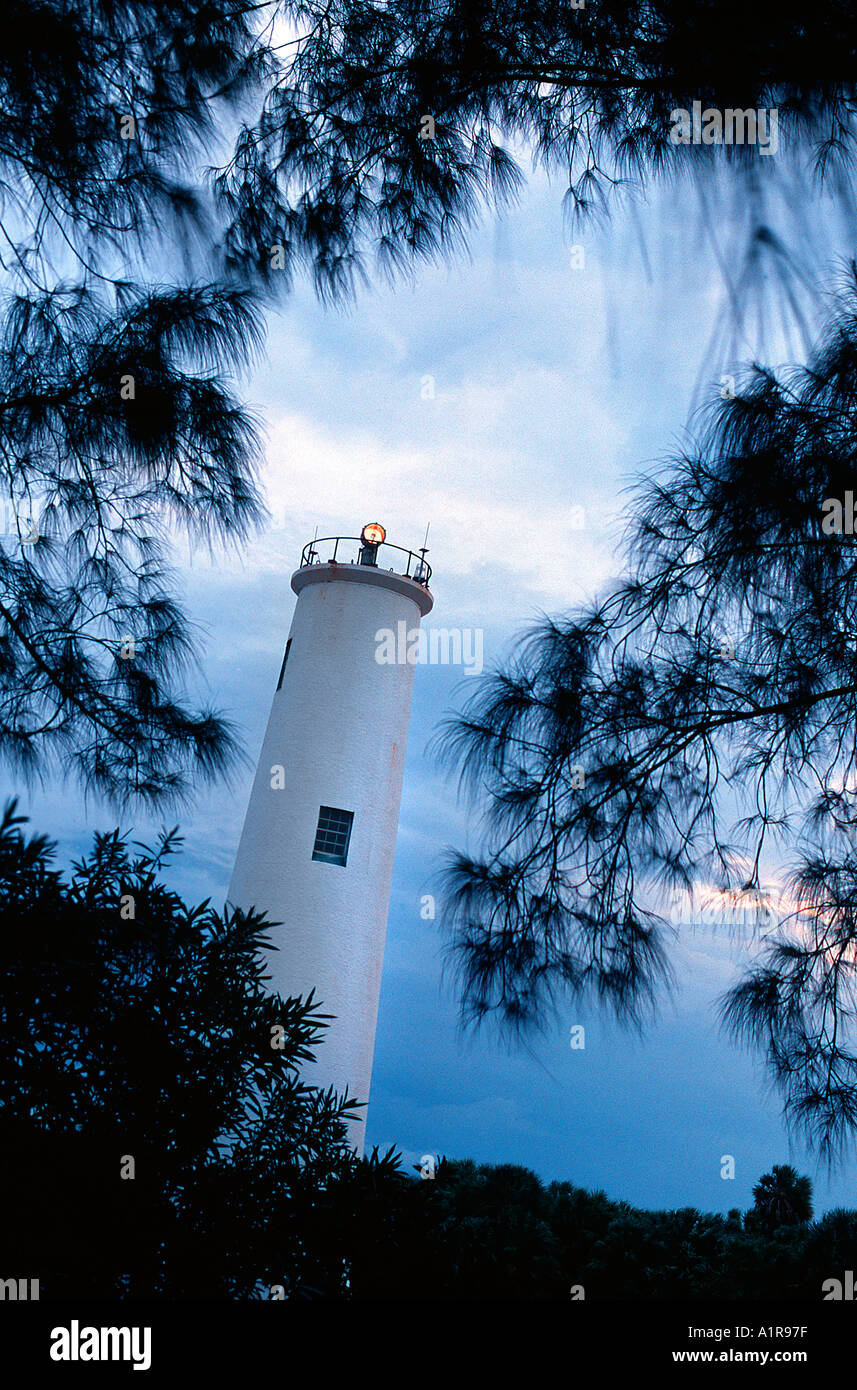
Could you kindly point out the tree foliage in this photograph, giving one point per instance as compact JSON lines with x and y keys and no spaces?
{"x":93,"y":642}
{"x":165,"y":166}
{"x":136,"y":1027}
{"x":138,"y":1030}
{"x":119,"y":420}
{"x":782,"y":1198}
{"x":496,"y":1231}
{"x":340,"y":170}
{"x":697,"y":718}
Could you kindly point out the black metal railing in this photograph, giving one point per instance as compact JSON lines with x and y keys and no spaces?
{"x":316,"y":553}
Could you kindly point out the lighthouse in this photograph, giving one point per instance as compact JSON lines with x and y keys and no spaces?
{"x":319,"y":838}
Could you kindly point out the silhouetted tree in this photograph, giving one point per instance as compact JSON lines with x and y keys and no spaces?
{"x":781,"y":1198}
{"x":394,"y":122}
{"x":119,"y":339}
{"x":156,"y":1138}
{"x":831,"y":1243}
{"x":172,"y":160}
{"x":700,"y":715}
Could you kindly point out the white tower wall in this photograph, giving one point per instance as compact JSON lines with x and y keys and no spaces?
{"x":338,"y":729}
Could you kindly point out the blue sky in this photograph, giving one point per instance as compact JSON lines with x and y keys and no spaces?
{"x":554,"y":388}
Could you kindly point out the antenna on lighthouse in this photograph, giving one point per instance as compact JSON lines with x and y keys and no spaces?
{"x":420,"y":575}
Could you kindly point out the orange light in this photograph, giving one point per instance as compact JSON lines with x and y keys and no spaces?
{"x":373,"y":534}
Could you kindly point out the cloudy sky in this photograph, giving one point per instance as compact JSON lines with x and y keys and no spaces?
{"x":553,"y":385}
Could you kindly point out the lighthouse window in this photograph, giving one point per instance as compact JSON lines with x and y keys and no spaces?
{"x":283,"y":667}
{"x":333,"y":835}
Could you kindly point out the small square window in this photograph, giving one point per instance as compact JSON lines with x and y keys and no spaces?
{"x":333,"y":835}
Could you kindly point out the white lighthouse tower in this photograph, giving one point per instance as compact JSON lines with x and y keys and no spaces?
{"x":316,"y":852}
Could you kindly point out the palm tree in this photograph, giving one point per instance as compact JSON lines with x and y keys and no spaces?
{"x":782,"y":1198}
